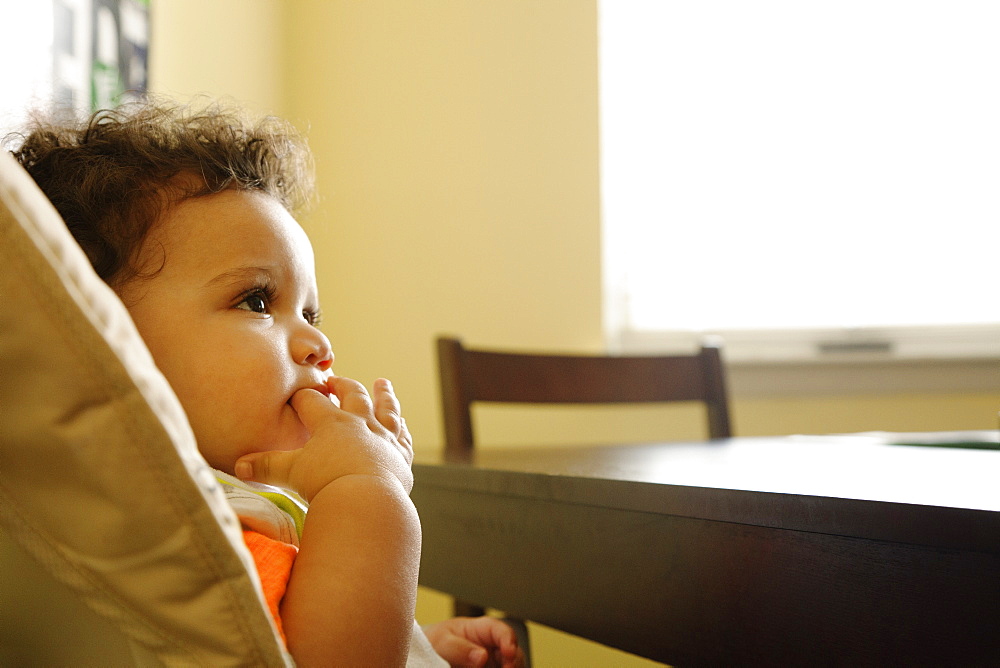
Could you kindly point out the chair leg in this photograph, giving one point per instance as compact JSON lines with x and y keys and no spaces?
{"x":521,"y":631}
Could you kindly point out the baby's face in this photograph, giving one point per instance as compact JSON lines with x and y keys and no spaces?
{"x":230,"y":320}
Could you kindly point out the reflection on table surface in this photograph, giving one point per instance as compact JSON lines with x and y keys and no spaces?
{"x":954,"y":469}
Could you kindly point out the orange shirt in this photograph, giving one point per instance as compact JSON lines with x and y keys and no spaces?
{"x":274,"y":560}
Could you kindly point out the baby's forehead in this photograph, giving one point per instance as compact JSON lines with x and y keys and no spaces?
{"x":242,"y":218}
{"x":229,"y":231}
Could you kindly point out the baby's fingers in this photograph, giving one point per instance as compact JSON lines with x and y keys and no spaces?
{"x":387,"y":410}
{"x":458,"y":651}
{"x":353,"y":396}
{"x":311,"y":407}
{"x":271,"y":468}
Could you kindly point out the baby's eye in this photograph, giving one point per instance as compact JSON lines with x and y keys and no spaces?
{"x":255,"y":301}
{"x":312,"y":317}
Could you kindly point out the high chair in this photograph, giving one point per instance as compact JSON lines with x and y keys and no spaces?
{"x":117,"y":546}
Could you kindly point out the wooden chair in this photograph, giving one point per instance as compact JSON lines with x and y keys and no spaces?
{"x":469,"y":376}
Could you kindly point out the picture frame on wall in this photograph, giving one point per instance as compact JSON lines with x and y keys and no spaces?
{"x":72,"y":57}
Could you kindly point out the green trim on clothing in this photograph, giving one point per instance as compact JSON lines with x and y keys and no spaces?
{"x":286,"y":501}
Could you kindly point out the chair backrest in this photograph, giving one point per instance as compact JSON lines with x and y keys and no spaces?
{"x":469,"y":376}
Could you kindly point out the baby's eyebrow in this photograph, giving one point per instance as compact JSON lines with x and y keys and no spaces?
{"x":240,"y":275}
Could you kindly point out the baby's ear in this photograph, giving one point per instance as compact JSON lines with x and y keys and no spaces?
{"x":127,"y":293}
{"x":131,"y":290}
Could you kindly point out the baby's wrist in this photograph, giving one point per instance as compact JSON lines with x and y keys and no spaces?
{"x":376,"y":483}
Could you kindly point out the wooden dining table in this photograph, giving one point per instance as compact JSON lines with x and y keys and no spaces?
{"x":850,"y":550}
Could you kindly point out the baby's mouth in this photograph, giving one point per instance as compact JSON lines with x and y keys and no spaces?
{"x":322,"y":389}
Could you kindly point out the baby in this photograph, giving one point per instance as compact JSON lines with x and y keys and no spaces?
{"x":187,"y":215}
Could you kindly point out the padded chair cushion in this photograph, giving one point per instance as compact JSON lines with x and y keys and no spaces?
{"x":102,"y":490}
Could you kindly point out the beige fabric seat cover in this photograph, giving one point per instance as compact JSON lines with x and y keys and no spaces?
{"x":116,"y":544}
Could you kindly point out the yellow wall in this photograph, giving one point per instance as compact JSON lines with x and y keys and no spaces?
{"x":458,"y":161}
{"x":220,"y":48}
{"x":457,"y":152}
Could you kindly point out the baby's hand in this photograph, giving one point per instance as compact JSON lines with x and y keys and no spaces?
{"x":477,"y":642}
{"x":358,"y":438}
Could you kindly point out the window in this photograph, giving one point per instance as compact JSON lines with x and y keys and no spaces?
{"x":72,"y":56}
{"x":27,"y":52}
{"x":807,"y":180}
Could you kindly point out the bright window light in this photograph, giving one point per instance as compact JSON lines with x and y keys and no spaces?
{"x":823,"y":167}
{"x":27,"y":56}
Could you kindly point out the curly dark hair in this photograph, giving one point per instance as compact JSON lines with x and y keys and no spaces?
{"x":112,"y":175}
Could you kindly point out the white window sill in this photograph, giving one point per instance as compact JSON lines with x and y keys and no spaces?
{"x":845,"y":362}
{"x":863,"y":377}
